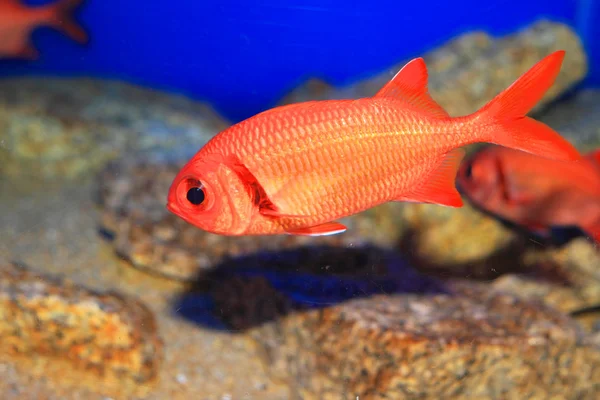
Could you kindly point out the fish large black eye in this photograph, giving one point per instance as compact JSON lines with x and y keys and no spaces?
{"x":195,"y":195}
{"x":469,"y":171}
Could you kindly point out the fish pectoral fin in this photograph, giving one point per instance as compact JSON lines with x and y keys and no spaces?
{"x":440,"y":188}
{"x":518,"y":198}
{"x":328,"y":228}
{"x":259,"y":196}
{"x":271,"y":212}
{"x":410,"y":85}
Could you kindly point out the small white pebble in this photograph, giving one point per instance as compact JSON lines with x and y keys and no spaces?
{"x":181,"y":378}
{"x":226,"y":397}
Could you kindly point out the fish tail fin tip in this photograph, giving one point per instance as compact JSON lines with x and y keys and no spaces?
{"x":507,"y":114}
{"x":62,"y":20}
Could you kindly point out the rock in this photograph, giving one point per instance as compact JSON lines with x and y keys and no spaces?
{"x":479,"y":344}
{"x":577,"y":118}
{"x":107,"y":334}
{"x":576,"y":267}
{"x":339,"y":324}
{"x":466,"y":243}
{"x":70,"y":127}
{"x":132,"y":196}
{"x":470,"y":70}
{"x":463,"y":241}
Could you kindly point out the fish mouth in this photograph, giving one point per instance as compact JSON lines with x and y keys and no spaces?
{"x":173,"y":208}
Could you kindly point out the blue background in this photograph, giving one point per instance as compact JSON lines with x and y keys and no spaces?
{"x":243,"y":56}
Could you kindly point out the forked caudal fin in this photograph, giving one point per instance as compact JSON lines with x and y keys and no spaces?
{"x":504,"y":121}
{"x":61,"y":18}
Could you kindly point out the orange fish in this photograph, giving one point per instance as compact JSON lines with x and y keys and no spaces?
{"x":17,"y":21}
{"x":296,"y":168}
{"x":535,"y":193}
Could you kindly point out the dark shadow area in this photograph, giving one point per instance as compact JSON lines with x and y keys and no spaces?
{"x":506,"y":260}
{"x":248,"y":291}
{"x":558,"y":236}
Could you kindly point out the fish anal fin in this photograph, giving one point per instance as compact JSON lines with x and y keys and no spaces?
{"x":328,"y":228}
{"x":410,"y":85}
{"x":440,"y":188}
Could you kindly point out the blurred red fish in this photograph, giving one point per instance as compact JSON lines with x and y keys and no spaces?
{"x":295,"y":169}
{"x":17,"y":21}
{"x":535,"y":193}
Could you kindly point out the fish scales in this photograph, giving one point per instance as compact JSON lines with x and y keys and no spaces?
{"x":297,"y":168}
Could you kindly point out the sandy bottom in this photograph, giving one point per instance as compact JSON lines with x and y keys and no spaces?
{"x":52,"y":228}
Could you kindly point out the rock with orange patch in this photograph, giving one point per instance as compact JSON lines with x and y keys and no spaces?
{"x":104,"y":333}
{"x":71,"y":127}
{"x":476,"y":344}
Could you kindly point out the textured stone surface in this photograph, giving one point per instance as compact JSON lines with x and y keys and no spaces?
{"x":69,"y":128}
{"x":466,"y":243}
{"x":475,"y":345}
{"x":336,"y":324}
{"x":53,"y":228}
{"x":468,"y":71}
{"x":104,"y":333}
{"x":577,"y":118}
{"x":576,"y":271}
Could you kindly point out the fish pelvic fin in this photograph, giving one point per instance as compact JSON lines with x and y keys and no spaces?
{"x":503,"y":120}
{"x":440,"y":188}
{"x":410,"y":85}
{"x":61,"y":18}
{"x":326,"y":229}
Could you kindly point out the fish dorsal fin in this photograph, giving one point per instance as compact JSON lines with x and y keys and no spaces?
{"x":410,"y":85}
{"x":440,"y":188}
